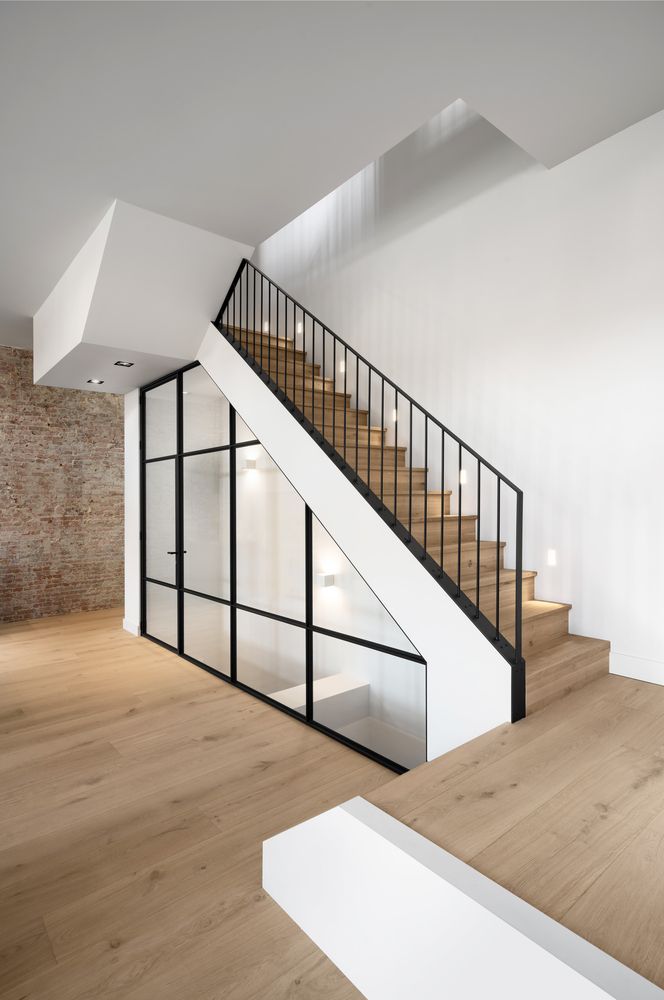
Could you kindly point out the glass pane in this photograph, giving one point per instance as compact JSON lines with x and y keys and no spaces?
{"x":160,"y":520}
{"x":161,"y":420}
{"x":373,"y":698}
{"x":207,"y":634}
{"x":205,"y":411}
{"x":271,"y":658}
{"x":161,"y":615}
{"x":343,"y":601}
{"x":270,"y":536}
{"x":206,"y":488}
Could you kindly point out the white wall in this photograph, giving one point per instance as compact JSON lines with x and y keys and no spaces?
{"x":132,"y":522}
{"x":525,"y":308}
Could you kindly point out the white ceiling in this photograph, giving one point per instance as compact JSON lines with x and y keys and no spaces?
{"x":235,"y":117}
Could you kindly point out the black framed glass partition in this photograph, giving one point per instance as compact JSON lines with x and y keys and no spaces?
{"x":239,"y":577}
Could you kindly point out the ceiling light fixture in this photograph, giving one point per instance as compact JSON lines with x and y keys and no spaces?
{"x":123,"y":364}
{"x":95,"y":381}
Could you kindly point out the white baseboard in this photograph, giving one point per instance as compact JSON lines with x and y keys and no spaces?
{"x":637,"y":667}
{"x":403,"y":918}
{"x":131,"y":627}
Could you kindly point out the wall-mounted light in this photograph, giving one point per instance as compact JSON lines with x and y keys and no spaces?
{"x":250,"y":465}
{"x":266,"y":327}
{"x":299,"y":327}
{"x":551,"y":557}
{"x":95,"y":381}
{"x":326,"y":580}
{"x":123,"y":364}
{"x":463,"y":477}
{"x":342,"y":367}
{"x":395,"y":414}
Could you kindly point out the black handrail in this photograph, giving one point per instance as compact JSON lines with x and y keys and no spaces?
{"x":400,"y":517}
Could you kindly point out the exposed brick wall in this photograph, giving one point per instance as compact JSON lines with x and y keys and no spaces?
{"x":61,"y":495}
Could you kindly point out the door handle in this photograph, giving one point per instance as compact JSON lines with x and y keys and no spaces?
{"x":174,"y":552}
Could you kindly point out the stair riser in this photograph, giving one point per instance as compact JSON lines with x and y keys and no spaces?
{"x":403,"y":485}
{"x":353,"y":417}
{"x":568,"y":677}
{"x":540,"y":632}
{"x":488,"y":559}
{"x":449,"y":532}
{"x":433,"y":506}
{"x":265,"y":341}
{"x":338,"y":438}
{"x":288,"y":370}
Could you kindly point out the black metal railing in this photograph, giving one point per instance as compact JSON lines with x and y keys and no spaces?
{"x":403,"y":470}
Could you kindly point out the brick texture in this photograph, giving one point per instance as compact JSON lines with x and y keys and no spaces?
{"x":61,"y":495}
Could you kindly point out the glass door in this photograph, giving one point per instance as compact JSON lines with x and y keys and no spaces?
{"x":161,"y":558}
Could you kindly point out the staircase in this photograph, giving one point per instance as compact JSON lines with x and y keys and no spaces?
{"x":451,"y":506}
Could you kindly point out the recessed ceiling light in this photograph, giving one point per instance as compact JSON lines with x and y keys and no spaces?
{"x":124,"y":364}
{"x":95,"y":381}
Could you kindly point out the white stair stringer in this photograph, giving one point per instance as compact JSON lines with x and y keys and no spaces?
{"x":468,"y":681}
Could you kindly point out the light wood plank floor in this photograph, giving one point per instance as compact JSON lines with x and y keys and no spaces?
{"x":136,"y":791}
{"x":565,"y":809}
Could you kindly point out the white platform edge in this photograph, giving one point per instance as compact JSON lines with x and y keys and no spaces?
{"x":402,"y":917}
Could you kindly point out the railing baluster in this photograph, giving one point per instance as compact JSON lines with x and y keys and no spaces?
{"x":254,"y":317}
{"x":498,"y":561}
{"x":426,"y":480}
{"x":260,"y":335}
{"x":246,"y":270}
{"x":285,"y":346}
{"x":323,"y":373}
{"x":410,"y":473}
{"x":478,"y":525}
{"x":269,"y":328}
{"x":294,"y":347}
{"x":277,"y":348}
{"x":518,"y":611}
{"x":345,"y":397}
{"x":382,"y":436}
{"x":240,"y":309}
{"x":304,"y":362}
{"x":357,"y":415}
{"x":313,"y":408}
{"x":334,"y":388}
{"x":369,"y":428}
{"x":396,"y":438}
{"x":460,"y":484}
{"x":442,"y":499}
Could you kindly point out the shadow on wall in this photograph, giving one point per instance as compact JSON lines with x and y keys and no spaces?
{"x":452,"y":159}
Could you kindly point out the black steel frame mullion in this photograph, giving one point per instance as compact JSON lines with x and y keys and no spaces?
{"x":141,"y":509}
{"x":232,"y":555}
{"x":179,"y":515}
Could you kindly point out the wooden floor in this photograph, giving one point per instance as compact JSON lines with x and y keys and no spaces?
{"x":135,"y":793}
{"x":565,"y":809}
